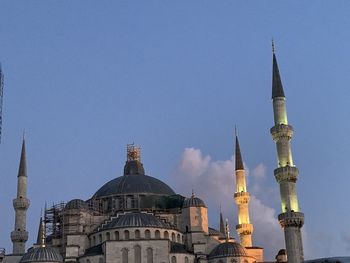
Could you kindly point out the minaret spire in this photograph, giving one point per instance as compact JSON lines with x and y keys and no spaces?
{"x":19,"y":236}
{"x":41,"y":239}
{"x":222,"y":224}
{"x":291,"y":219}
{"x":277,"y":87}
{"x":244,"y":228}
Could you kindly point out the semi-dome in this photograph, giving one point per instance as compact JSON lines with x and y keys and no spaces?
{"x":193,"y":202}
{"x":134,"y":184}
{"x":135,"y":219}
{"x":42,"y":254}
{"x":228,"y":249}
{"x":76,"y":204}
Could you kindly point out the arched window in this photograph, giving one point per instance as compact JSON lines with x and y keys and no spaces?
{"x":125,"y":255}
{"x":88,"y":261}
{"x":116,"y":235}
{"x":166,"y":235}
{"x":178,"y":238}
{"x":126,"y":235}
{"x":100,"y":238}
{"x":149,"y":255}
{"x":137,"y":234}
{"x":147,"y":234}
{"x":173,"y":237}
{"x":173,"y":259}
{"x":137,"y":254}
{"x":245,"y":261}
{"x":94,"y":240}
{"x":186,"y":259}
{"x":157,"y":234}
{"x":108,"y":236}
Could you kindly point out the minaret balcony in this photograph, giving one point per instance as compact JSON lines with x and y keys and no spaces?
{"x":19,"y":236}
{"x":291,"y":219}
{"x":286,"y":174}
{"x":244,"y":229}
{"x":242,"y":197}
{"x":21,"y":203}
{"x":280,"y":131}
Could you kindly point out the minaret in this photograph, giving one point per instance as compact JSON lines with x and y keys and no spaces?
{"x":242,"y":197}
{"x":222,"y":224}
{"x":19,"y":236}
{"x":41,"y":239}
{"x":291,"y":219}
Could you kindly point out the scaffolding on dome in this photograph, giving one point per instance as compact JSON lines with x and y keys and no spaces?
{"x":133,"y":152}
{"x":54,"y":220}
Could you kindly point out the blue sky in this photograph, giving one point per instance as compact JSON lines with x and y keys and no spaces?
{"x":84,"y":78}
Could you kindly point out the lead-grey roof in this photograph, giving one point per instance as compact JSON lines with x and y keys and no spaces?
{"x":193,"y":202}
{"x":42,"y":254}
{"x":76,"y":204}
{"x":227,"y":249}
{"x":131,"y":184}
{"x":177,"y":248}
{"x":135,"y":219}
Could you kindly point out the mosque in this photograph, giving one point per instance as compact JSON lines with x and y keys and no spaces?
{"x":136,"y":218}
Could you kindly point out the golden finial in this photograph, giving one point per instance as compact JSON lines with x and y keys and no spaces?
{"x":273,"y":46}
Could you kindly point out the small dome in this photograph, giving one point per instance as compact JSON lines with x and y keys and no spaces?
{"x":282,"y":252}
{"x":76,"y":204}
{"x":42,"y":254}
{"x":135,"y":220}
{"x":193,"y":202}
{"x":228,"y":249}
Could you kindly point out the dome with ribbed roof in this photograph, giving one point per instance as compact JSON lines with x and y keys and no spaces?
{"x":193,"y":201}
{"x":135,"y":219}
{"x":76,"y":204}
{"x":42,"y":254}
{"x":228,"y":249}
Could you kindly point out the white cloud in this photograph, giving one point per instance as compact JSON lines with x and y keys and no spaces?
{"x":214,"y":182}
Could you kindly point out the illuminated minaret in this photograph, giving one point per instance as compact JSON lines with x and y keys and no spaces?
{"x":19,"y":236}
{"x":242,"y":197}
{"x":291,"y":219}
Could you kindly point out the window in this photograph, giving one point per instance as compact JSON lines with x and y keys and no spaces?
{"x":126,"y":235}
{"x":157,"y":234}
{"x":137,"y":254}
{"x":88,"y":261}
{"x":137,"y":234}
{"x":178,"y":238}
{"x":173,"y":259}
{"x":186,"y":259}
{"x":116,"y":235}
{"x":100,"y":238}
{"x":149,"y":255}
{"x":125,"y":255}
{"x":108,"y":236}
{"x":94,"y":241}
{"x":166,"y":235}
{"x":147,"y":234}
{"x":173,"y":237}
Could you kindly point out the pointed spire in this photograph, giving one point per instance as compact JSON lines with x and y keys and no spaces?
{"x":222,"y":224}
{"x":277,"y":87}
{"x":22,"y":171}
{"x":41,"y":233}
{"x":239,"y":162}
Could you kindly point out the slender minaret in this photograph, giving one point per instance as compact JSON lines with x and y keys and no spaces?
{"x":291,"y":219}
{"x":19,"y":236}
{"x":242,"y":197}
{"x":222,"y":224}
{"x":41,"y":239}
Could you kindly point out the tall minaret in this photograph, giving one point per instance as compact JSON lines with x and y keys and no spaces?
{"x":291,"y":219}
{"x":222,"y":224}
{"x":19,"y":236}
{"x":242,"y":197}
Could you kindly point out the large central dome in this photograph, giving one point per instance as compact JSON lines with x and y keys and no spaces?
{"x":134,"y":184}
{"x":134,"y":180}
